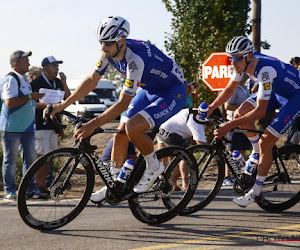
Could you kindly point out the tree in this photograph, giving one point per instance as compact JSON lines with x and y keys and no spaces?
{"x":200,"y":27}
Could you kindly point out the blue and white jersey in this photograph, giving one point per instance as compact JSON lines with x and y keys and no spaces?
{"x":144,"y":66}
{"x":274,"y":75}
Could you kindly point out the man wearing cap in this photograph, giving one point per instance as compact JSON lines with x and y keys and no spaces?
{"x":17,"y":120}
{"x":46,"y":136}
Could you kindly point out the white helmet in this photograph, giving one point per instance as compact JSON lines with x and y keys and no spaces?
{"x":113,"y":28}
{"x":239,"y":45}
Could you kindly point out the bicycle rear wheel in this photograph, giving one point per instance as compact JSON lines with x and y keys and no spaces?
{"x":68,"y":193}
{"x":281,"y":189}
{"x":164,"y":201}
{"x":210,"y":178}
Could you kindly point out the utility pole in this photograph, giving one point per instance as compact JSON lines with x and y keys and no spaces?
{"x":256,"y":23}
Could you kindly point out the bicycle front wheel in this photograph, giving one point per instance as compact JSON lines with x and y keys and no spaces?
{"x":170,"y":193}
{"x":211,"y":169}
{"x":281,"y":189}
{"x":67,"y":194}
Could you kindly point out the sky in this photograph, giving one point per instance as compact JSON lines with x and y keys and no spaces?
{"x":66,"y":29}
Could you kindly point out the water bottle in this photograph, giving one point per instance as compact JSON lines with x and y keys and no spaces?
{"x":125,"y":171}
{"x":252,"y":163}
{"x":237,"y":156}
{"x":203,"y":109}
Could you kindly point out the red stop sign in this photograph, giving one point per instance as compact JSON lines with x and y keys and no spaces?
{"x":217,"y":71}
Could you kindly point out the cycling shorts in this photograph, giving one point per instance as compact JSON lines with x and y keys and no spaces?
{"x":289,"y":110}
{"x":156,"y":109}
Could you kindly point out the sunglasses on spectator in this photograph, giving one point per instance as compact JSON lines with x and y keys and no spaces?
{"x":108,"y":43}
{"x":236,"y":58}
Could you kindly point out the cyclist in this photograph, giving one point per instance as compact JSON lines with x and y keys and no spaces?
{"x":162,"y":94}
{"x":272,"y":75}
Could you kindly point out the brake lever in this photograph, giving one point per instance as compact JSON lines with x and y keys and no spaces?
{"x":77,"y":126}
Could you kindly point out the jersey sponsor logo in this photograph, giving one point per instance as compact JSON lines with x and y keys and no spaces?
{"x":159,"y":73}
{"x":163,"y":105}
{"x":180,"y":96}
{"x":129,"y":83}
{"x":148,"y":49}
{"x":291,"y":73}
{"x":265,"y":76}
{"x":158,"y":58}
{"x":292,"y":82}
{"x":165,"y":111}
{"x":132,"y":66}
{"x":99,"y":63}
{"x":286,"y":119}
{"x":267,"y":86}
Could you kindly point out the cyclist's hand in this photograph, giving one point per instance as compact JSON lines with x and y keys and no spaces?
{"x":223,"y":129}
{"x":84,"y":131}
{"x":56,"y":108}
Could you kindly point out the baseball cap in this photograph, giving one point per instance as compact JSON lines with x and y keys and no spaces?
{"x":18,"y":54}
{"x":50,"y":60}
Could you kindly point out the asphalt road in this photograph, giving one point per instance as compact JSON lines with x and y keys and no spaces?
{"x":221,"y":225}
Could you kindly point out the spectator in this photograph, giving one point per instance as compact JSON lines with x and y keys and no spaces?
{"x":17,"y":120}
{"x":238,"y":140}
{"x":192,"y":91}
{"x":295,"y":61}
{"x":46,"y":136}
{"x":34,"y":72}
{"x":175,"y":132}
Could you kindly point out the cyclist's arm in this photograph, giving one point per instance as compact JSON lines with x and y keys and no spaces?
{"x":224,"y":96}
{"x":113,"y":112}
{"x":265,"y":79}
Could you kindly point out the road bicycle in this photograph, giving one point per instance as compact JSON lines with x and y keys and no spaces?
{"x":281,"y":189}
{"x":74,"y":180}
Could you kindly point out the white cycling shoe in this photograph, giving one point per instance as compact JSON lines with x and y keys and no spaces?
{"x":245,"y":200}
{"x":99,"y":195}
{"x":148,"y":179}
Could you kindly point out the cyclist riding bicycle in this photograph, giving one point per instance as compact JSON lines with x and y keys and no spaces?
{"x":277,"y":81}
{"x":161,"y":95}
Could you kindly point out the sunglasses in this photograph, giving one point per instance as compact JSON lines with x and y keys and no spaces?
{"x":108,"y":43}
{"x":236,"y":58}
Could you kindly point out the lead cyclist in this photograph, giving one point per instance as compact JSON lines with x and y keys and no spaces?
{"x":161,"y":95}
{"x":274,"y":78}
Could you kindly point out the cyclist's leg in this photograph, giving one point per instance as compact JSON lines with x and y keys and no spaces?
{"x":120,"y":147}
{"x":278,"y":126}
{"x":161,"y":108}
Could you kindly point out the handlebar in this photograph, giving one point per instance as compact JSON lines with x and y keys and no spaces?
{"x":77,"y":121}
{"x":218,"y":120}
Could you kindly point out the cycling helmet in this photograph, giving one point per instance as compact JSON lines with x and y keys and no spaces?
{"x":239,"y":45}
{"x":113,"y":28}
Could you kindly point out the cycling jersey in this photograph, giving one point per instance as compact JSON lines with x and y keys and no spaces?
{"x":161,"y":80}
{"x":144,"y":66}
{"x":283,"y":79}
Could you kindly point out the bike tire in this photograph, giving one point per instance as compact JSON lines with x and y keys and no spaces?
{"x":210,"y":178}
{"x":163,"y":202}
{"x":65,"y":200}
{"x":281,"y":189}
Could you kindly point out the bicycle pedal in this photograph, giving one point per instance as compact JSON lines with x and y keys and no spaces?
{"x":100,"y":203}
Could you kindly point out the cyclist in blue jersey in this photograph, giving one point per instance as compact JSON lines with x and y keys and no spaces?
{"x":273,"y":76}
{"x":161,"y":95}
